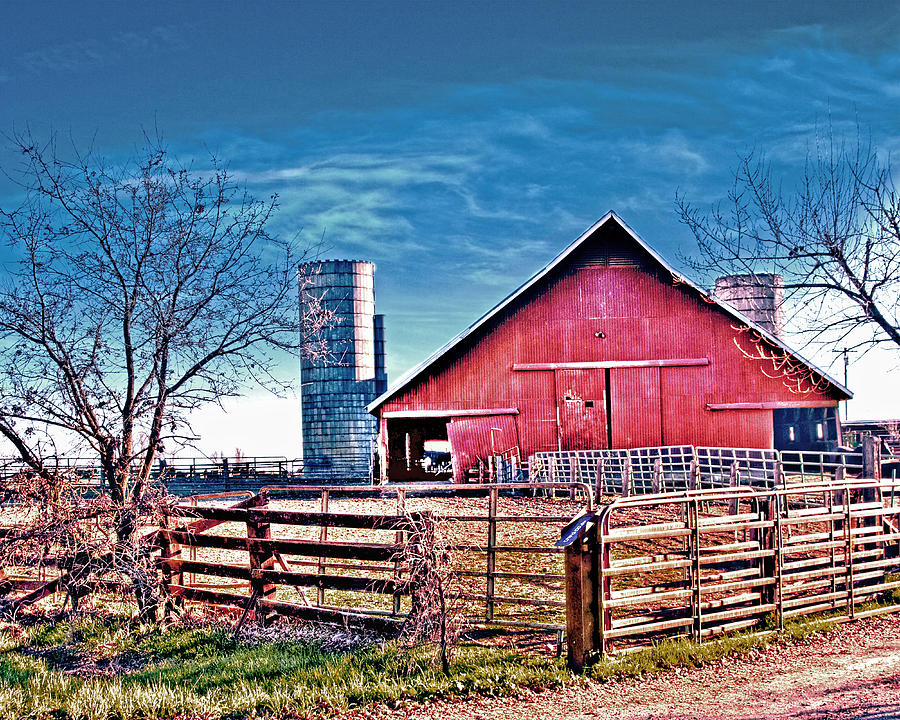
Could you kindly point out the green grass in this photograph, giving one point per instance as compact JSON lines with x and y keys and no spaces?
{"x":205,"y":673}
{"x":202,"y":672}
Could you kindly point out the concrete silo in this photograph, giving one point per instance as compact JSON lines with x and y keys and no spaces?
{"x":759,"y":297}
{"x":338,"y":432}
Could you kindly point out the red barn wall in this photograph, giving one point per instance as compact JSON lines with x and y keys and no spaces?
{"x":609,"y":286}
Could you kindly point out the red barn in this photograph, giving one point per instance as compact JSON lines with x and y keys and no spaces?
{"x":605,"y":347}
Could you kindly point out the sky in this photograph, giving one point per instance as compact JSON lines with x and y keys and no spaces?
{"x":460,"y":146}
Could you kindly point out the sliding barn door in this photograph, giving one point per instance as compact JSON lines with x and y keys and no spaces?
{"x":581,"y":408}
{"x":477,"y":438}
{"x":636,"y":412}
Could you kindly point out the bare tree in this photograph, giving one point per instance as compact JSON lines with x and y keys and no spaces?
{"x":62,"y":525}
{"x":139,"y":292}
{"x":435,"y":614}
{"x":835,"y":240}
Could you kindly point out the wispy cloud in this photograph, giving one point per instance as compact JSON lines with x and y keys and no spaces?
{"x":79,"y":55}
{"x":462,"y":195}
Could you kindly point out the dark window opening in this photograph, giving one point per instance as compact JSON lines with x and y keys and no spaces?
{"x":418,"y":449}
{"x":813,"y":429}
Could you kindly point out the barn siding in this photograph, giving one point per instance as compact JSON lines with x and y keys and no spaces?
{"x":610,"y":286}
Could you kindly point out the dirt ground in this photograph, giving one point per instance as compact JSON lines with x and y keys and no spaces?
{"x":853,"y":672}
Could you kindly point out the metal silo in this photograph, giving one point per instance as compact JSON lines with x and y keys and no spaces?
{"x":338,"y":432}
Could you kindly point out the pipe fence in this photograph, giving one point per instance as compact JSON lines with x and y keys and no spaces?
{"x":686,"y":467}
{"x":701,"y":563}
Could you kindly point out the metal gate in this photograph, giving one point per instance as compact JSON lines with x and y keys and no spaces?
{"x":701,"y":563}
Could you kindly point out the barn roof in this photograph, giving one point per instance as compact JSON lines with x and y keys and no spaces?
{"x":409,"y":377}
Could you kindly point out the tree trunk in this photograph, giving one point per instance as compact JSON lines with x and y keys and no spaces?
{"x":135,"y":561}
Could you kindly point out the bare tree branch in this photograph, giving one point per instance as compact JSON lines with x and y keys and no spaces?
{"x":835,"y":240}
{"x":141,"y":291}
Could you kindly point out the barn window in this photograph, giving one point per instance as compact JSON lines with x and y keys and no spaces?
{"x":588,"y":403}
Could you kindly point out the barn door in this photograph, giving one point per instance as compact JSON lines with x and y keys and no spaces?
{"x":581,"y":408}
{"x":477,"y":438}
{"x":636,"y":413}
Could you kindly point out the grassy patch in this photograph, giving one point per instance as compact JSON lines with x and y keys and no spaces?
{"x":204,"y":672}
{"x":110,"y":670}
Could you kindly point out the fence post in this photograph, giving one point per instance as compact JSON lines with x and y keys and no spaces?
{"x":168,"y":549}
{"x":258,"y":529}
{"x":839,"y":474}
{"x":770,"y":565}
{"x":656,"y":482}
{"x":694,"y":479}
{"x":400,"y":539}
{"x":585,"y":622}
{"x":574,"y":605}
{"x":871,"y":469}
{"x":871,"y":458}
{"x":491,"y":553}
{"x":590,"y":577}
{"x":779,"y":479}
{"x":323,"y":537}
{"x":734,"y":481}
{"x":627,"y":476}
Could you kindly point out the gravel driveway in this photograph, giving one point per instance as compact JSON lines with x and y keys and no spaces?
{"x":853,"y":672}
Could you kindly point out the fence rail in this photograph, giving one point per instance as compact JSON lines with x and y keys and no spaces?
{"x":334,"y":553}
{"x":686,"y":467}
{"x":186,"y":476}
{"x":706,"y":562}
{"x":690,"y":563}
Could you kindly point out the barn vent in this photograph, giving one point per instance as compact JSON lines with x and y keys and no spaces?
{"x":601,"y":257}
{"x":759,"y":297}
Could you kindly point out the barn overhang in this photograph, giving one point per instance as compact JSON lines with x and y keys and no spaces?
{"x":438,"y":413}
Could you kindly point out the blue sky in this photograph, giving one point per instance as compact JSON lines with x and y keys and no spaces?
{"x":460,"y":145}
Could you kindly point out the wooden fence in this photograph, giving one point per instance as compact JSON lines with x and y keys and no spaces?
{"x":701,"y":563}
{"x":263,"y":558}
{"x":334,"y":553}
{"x":695,"y":563}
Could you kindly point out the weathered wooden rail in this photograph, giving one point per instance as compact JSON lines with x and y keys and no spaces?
{"x":358,"y":574}
{"x":707,"y":562}
{"x":333,"y":553}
